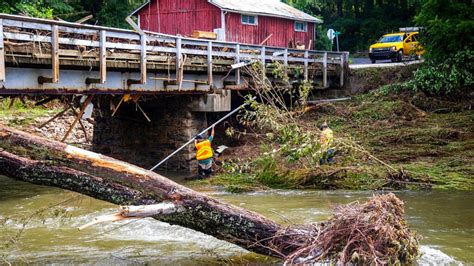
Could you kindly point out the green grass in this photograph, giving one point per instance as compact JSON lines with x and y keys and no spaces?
{"x":443,"y":176}
{"x":21,"y":114}
{"x":429,"y":147}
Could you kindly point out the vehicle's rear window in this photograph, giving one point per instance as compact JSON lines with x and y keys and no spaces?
{"x":391,"y":38}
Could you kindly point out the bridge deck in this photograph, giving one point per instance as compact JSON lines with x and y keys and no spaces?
{"x":38,"y":55}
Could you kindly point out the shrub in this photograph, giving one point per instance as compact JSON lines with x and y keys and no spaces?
{"x":451,"y":77}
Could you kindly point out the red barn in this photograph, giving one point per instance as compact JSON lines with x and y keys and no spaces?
{"x":243,"y":21}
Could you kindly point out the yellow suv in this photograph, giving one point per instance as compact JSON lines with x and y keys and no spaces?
{"x":395,"y":46}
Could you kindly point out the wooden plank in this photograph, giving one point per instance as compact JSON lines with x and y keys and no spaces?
{"x":194,"y":52}
{"x":209,"y":64}
{"x":135,"y":26}
{"x":325,"y":70}
{"x":285,"y":61}
{"x":55,"y":53}
{"x":70,"y":41}
{"x":2,"y":54}
{"x":125,"y":46}
{"x":237,"y":60}
{"x":143,"y":59}
{"x":198,"y":34}
{"x":79,"y":115}
{"x":263,"y":59}
{"x":266,"y":39}
{"x":26,"y":25}
{"x":69,"y":29}
{"x":84,"y":19}
{"x":103,"y":56}
{"x":20,"y":19}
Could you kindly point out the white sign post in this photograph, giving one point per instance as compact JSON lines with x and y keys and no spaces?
{"x":331,"y":34}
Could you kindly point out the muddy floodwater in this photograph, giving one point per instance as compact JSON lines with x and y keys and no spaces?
{"x":444,"y":219}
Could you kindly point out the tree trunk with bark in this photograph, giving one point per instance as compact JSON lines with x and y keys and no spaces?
{"x":40,"y":161}
{"x":342,"y":239}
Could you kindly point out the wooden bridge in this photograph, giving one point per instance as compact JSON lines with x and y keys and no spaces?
{"x":55,"y":57}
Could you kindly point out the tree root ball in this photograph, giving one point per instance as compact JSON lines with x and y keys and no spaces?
{"x":372,"y":233}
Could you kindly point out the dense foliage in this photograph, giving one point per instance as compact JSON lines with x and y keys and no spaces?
{"x":448,"y":27}
{"x":451,"y":77}
{"x":106,"y":12}
{"x":361,"y":22}
{"x":447,"y":36}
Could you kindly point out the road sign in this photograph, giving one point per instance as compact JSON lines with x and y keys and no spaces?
{"x":331,"y":34}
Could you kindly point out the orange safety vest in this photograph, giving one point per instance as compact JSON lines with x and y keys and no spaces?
{"x":204,"y":150}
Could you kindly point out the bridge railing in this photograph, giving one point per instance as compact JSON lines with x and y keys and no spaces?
{"x":109,"y":44}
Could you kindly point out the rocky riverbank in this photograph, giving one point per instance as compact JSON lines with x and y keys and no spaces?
{"x":30,"y":118}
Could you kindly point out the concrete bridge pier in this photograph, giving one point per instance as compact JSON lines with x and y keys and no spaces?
{"x":174,"y":119}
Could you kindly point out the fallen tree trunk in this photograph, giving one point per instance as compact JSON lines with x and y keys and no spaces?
{"x":370,"y":233}
{"x":36,"y":160}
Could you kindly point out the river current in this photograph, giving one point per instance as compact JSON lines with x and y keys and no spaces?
{"x":444,"y":219}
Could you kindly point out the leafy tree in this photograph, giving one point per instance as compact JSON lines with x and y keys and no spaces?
{"x":106,"y":12}
{"x":361,"y":22}
{"x":31,"y":8}
{"x":448,"y":27}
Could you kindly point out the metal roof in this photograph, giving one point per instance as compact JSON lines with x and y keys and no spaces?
{"x":272,"y":8}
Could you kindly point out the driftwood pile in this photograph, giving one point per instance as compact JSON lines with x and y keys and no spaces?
{"x":371,"y":233}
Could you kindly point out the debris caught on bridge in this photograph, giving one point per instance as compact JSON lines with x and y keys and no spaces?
{"x":87,"y":101}
{"x":91,"y":52}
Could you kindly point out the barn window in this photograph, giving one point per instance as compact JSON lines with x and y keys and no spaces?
{"x":301,"y":26}
{"x":249,"y":20}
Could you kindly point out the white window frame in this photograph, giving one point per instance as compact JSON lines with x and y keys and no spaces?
{"x":305,"y":26}
{"x":247,"y":23}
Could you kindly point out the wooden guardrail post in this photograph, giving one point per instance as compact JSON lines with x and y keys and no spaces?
{"x":262,"y":58}
{"x":325,"y":70}
{"x":2,"y":54}
{"x":103,"y":56}
{"x":306,"y":55}
{"x":102,"y":60}
{"x":54,"y":57}
{"x":178,"y":59}
{"x":341,"y":75}
{"x":55,"y":52}
{"x":143,"y":58}
{"x":237,"y":60}
{"x":285,"y":61}
{"x":209,"y":64}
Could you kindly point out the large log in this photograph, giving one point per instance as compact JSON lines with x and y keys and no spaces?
{"x":45,"y":162}
{"x":371,"y":233}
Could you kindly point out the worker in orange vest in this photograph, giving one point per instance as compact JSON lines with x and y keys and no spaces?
{"x":326,"y":138}
{"x":204,"y":154}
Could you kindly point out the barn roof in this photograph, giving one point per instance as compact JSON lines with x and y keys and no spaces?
{"x":272,"y":8}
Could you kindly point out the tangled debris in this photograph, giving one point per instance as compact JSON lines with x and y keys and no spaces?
{"x":372,"y":233}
